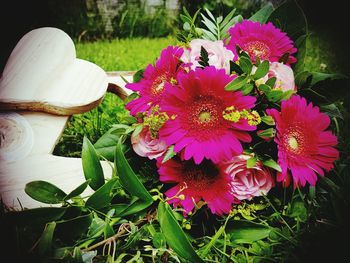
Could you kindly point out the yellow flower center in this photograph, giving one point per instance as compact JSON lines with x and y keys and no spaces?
{"x":257,"y":49}
{"x":204,"y":116}
{"x":293,"y":143}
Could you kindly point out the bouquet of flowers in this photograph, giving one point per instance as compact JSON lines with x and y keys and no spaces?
{"x":222,"y":116}
{"x":217,"y":123}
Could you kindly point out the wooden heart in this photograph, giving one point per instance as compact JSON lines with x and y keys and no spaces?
{"x":43,"y":74}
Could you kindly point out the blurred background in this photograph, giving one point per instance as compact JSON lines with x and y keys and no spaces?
{"x":96,"y":20}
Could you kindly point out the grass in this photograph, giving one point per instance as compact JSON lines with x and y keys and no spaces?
{"x":123,"y":54}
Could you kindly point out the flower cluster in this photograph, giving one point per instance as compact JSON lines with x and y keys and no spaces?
{"x":207,"y":104}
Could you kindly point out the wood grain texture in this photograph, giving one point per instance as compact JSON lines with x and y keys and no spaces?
{"x":43,"y":74}
{"x":40,"y":164}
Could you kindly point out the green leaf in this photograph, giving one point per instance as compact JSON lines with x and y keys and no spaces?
{"x":128,"y":178}
{"x":264,"y":88}
{"x":45,"y":241}
{"x":227,"y":18}
{"x":232,"y":22}
{"x":91,"y":165}
{"x":275,"y":95}
{"x":73,"y":228}
{"x":77,"y":191}
{"x":45,"y":192}
{"x":271,"y":82}
{"x":284,"y":59}
{"x":297,"y":210}
{"x":105,"y":146}
{"x":251,"y":162}
{"x":247,"y":232}
{"x":103,"y":196}
{"x":235,"y":68}
{"x":138,"y":75}
{"x":237,"y":83}
{"x":174,"y":234}
{"x":300,"y":44}
{"x":247,"y":88}
{"x":263,"y":14}
{"x":268,"y":133}
{"x":268,"y":120}
{"x":262,"y":70}
{"x":287,"y":94}
{"x":204,"y":58}
{"x":290,"y":18}
{"x":272,"y":164}
{"x":136,"y":205}
{"x":169,"y":154}
{"x":206,"y":249}
{"x":246,"y":64}
{"x":35,"y":216}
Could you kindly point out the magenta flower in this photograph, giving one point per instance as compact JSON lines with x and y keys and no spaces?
{"x":195,"y":183}
{"x":305,"y":148}
{"x":151,"y":86}
{"x":261,"y":40}
{"x":195,"y":108}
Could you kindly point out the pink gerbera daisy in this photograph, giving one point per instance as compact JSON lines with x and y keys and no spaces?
{"x":261,"y":40}
{"x":151,"y":86}
{"x":197,"y":182}
{"x":304,"y":147}
{"x":196,"y":123}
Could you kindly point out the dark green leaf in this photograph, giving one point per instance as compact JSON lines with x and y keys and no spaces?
{"x":103,"y":196}
{"x":284,"y":59}
{"x":35,"y":216}
{"x":272,"y":164}
{"x":237,"y":83}
{"x":74,"y":227}
{"x":246,"y":64}
{"x":300,"y":43}
{"x":263,"y":14}
{"x":174,"y":234}
{"x":235,"y":68}
{"x":77,"y":255}
{"x":77,"y":191}
{"x":204,"y":58}
{"x":169,"y":154}
{"x":290,"y":18}
{"x":135,"y":206}
{"x":45,"y":241}
{"x":128,"y":178}
{"x":332,"y":111}
{"x":262,"y":70}
{"x":247,"y":232}
{"x":45,"y":192}
{"x":298,"y":210}
{"x":138,"y":75}
{"x":91,"y":165}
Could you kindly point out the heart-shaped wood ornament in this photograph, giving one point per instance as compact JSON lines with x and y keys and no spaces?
{"x":43,"y":74}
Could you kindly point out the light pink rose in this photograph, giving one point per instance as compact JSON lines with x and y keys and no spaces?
{"x":248,"y":182}
{"x":145,"y":146}
{"x":218,"y":55}
{"x":284,"y":76}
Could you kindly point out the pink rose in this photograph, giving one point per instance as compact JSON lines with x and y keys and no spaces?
{"x":284,"y":76}
{"x":145,"y":146}
{"x":248,"y":182}
{"x":218,"y":55}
